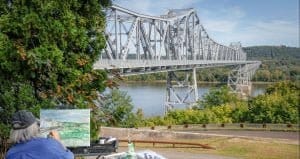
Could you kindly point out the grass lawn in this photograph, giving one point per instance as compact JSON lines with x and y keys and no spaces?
{"x":246,"y":148}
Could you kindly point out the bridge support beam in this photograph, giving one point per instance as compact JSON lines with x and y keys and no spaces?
{"x":239,"y":80}
{"x":195,"y":84}
{"x":181,"y":93}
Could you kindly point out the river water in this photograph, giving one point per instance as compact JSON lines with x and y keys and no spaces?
{"x":150,"y":97}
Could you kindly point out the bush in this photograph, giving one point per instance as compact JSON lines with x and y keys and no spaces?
{"x":280,"y":104}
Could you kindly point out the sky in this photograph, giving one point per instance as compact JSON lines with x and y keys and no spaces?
{"x":251,"y":22}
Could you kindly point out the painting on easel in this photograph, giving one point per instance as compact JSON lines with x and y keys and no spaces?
{"x":73,"y":125}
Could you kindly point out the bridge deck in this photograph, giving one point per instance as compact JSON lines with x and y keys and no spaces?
{"x":132,"y":67}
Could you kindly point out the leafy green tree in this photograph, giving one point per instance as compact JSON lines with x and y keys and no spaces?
{"x":47,"y":51}
{"x":280,"y":104}
{"x":240,"y":112}
{"x":139,"y":118}
{"x":222,"y":113}
{"x":116,"y":109}
{"x":217,"y":97}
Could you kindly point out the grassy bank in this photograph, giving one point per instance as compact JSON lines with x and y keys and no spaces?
{"x":245,"y":148}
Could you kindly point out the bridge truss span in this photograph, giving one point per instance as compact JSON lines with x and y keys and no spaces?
{"x":177,"y":41}
{"x":177,"y":35}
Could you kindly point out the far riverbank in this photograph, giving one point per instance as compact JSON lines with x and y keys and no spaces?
{"x":199,"y":82}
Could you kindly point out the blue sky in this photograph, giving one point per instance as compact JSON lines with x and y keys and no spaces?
{"x":252,"y":22}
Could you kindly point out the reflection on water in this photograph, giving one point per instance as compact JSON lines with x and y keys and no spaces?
{"x":151,"y":96}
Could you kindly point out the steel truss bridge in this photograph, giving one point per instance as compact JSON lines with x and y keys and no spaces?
{"x":177,"y":41}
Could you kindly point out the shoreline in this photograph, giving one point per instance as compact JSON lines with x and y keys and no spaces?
{"x":199,"y":82}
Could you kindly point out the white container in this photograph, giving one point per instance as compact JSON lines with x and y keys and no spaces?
{"x":102,"y":141}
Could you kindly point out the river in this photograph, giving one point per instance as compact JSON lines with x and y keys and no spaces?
{"x":150,"y":97}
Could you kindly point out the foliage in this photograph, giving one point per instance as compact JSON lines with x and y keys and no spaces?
{"x":278,"y":62}
{"x":116,"y":109}
{"x":240,"y":112}
{"x":47,"y":50}
{"x":190,"y":116}
{"x":272,"y":52}
{"x":217,"y":97}
{"x":280,"y":104}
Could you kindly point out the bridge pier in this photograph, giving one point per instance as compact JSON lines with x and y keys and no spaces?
{"x":239,"y":80}
{"x":244,"y":89}
{"x":181,"y":92}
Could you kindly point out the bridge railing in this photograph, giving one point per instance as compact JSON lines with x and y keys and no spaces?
{"x":118,"y":64}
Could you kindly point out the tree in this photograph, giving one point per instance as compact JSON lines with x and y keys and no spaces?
{"x":280,"y":104}
{"x":222,"y":113}
{"x":116,"y":109}
{"x":47,"y":51}
{"x":217,"y":97}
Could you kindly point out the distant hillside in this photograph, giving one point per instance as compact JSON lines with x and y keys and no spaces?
{"x":278,"y":62}
{"x":272,"y":53}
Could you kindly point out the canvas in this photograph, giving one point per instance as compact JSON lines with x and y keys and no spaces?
{"x":73,"y":125}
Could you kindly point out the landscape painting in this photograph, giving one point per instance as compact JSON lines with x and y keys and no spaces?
{"x":73,"y":125}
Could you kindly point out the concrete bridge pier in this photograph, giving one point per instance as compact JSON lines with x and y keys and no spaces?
{"x":245,"y":90}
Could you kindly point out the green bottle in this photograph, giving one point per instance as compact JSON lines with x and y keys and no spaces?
{"x":131,"y":154}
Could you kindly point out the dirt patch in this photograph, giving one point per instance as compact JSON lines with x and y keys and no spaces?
{"x":136,"y":134}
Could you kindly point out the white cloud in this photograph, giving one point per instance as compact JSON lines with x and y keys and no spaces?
{"x":275,"y":32}
{"x":235,"y":12}
{"x":223,"y":26}
{"x":223,"y":20}
{"x":276,"y":27}
{"x":231,"y":25}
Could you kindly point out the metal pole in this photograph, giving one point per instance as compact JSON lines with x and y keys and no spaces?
{"x":195,"y":84}
{"x":120,"y":37}
{"x":138,"y":40}
{"x":194,"y":55}
{"x":116,"y":35}
{"x":155,"y":53}
{"x":168,"y":92}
